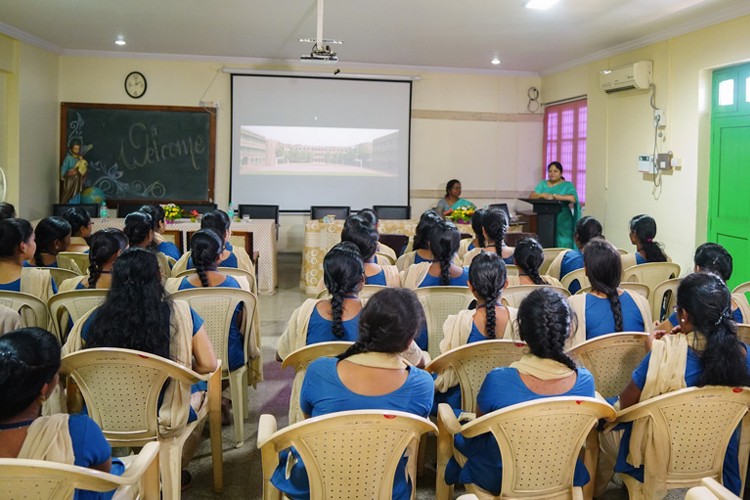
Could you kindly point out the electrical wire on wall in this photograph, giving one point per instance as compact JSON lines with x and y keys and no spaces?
{"x":657,"y":188}
{"x":210,"y":109}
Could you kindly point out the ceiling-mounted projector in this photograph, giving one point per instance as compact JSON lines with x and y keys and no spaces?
{"x":321,"y":50}
{"x":322,"y":53}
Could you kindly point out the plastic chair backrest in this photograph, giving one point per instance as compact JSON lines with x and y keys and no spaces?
{"x":651,"y":273}
{"x":33,"y":311}
{"x":681,"y":419}
{"x":663,"y":298}
{"x":472,"y":362}
{"x":639,"y":288}
{"x":368,"y":291}
{"x":384,"y":259}
{"x":540,"y":441}
{"x":230,"y":271}
{"x":439,"y":302}
{"x":368,"y":446}
{"x":579,"y":275}
{"x":511,"y":269}
{"x":710,"y":489}
{"x":550,"y":254}
{"x":611,"y":359}
{"x":75,"y":303}
{"x":514,"y":295}
{"x":78,"y":259}
{"x":60,"y":274}
{"x":743,"y":332}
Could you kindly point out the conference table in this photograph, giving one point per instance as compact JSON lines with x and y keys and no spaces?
{"x":264,"y":242}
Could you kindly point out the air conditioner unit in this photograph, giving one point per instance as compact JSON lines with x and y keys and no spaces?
{"x":632,"y":76}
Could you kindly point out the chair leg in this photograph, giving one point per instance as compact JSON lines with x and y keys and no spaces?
{"x":149,"y":488}
{"x":214,"y":429}
{"x":443,"y":491}
{"x":236,"y":387}
{"x":590,"y":461}
{"x":245,"y":398}
{"x":170,"y":467}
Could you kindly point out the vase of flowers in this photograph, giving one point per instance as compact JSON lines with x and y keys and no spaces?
{"x":171,"y":212}
{"x":460,"y":215}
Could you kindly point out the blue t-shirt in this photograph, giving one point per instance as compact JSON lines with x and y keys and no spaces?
{"x":462,"y":280}
{"x":230,"y":261}
{"x":27,"y":264}
{"x":640,"y":259}
{"x":235,"y":340}
{"x":319,"y":329}
{"x":376,"y":279}
{"x":693,"y":371}
{"x":170,"y":249}
{"x":323,"y":393}
{"x":509,"y":260}
{"x":90,"y":448}
{"x":503,"y":387}
{"x":418,"y":258}
{"x":15,"y":286}
{"x":601,"y":321}
{"x":572,"y":261}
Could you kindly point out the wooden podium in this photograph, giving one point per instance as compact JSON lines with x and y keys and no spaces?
{"x":546,"y":212}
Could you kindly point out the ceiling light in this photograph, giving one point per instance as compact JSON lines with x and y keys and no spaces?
{"x":540,"y":4}
{"x":495,"y":61}
{"x":120,"y":41}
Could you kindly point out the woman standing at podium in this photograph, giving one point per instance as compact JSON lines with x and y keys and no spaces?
{"x":557,"y":188}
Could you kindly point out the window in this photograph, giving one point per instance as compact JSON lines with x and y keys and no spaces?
{"x":726,"y":93}
{"x":565,"y":141}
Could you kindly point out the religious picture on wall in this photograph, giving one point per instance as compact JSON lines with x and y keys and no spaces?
{"x":73,"y":172}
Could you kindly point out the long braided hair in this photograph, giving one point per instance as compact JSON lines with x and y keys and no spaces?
{"x":388,"y":323}
{"x":529,"y":256}
{"x":487,"y":276}
{"x":644,"y":228}
{"x":47,"y":232}
{"x":342,"y":272}
{"x":104,"y":246}
{"x":708,"y":303}
{"x":545,"y":321}
{"x":604,"y":270}
{"x":427,"y":222}
{"x":495,"y":223}
{"x":444,"y":243}
{"x":476,"y":225}
{"x":205,"y":249}
{"x":362,"y":234}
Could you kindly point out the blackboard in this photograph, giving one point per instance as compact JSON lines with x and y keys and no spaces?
{"x":142,"y":153}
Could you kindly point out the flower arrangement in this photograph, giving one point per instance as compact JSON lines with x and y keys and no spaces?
{"x":193,"y":215}
{"x":172,"y":211}
{"x":460,"y":215}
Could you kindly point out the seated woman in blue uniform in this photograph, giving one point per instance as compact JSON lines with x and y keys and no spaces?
{"x":494,"y":227}
{"x":327,"y":320}
{"x":158,"y":224}
{"x":544,"y":323}
{"x":642,"y":234}
{"x":29,"y":362}
{"x":442,"y":271}
{"x":81,"y":227}
{"x":52,"y":236}
{"x":711,"y":353}
{"x":140,"y":233}
{"x":106,"y":246}
{"x":369,"y":216}
{"x":607,"y":308}
{"x":17,"y":244}
{"x":469,"y":244}
{"x":529,"y":257}
{"x":371,"y":374}
{"x":360,"y":233}
{"x":587,"y":228}
{"x":420,"y":251}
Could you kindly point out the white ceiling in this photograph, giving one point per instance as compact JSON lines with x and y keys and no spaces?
{"x":436,"y":33}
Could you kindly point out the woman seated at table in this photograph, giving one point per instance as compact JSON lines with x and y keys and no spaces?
{"x":421,"y":242}
{"x":544,"y":323}
{"x":17,"y":244}
{"x":452,"y":199}
{"x":642,"y":234}
{"x":490,"y":320}
{"x":29,"y":362}
{"x":218,"y":221}
{"x":494,"y":227}
{"x":442,"y":271}
{"x":371,"y":218}
{"x":469,"y":244}
{"x":52,"y":236}
{"x":558,"y":189}
{"x":366,"y":239}
{"x":140,"y":233}
{"x":529,"y":256}
{"x":567,"y":261}
{"x":607,"y":308}
{"x":106,"y":246}
{"x":159,"y":226}
{"x":710,"y":353}
{"x":371,"y":374}
{"x":81,"y":227}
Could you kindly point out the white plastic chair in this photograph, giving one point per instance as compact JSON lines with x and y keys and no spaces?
{"x":652,"y":273}
{"x":121,"y":388}
{"x":230,"y":271}
{"x":710,"y":489}
{"x":73,"y":305}
{"x":40,"y":479}
{"x":514,"y":295}
{"x":350,"y":454}
{"x":60,"y":274}
{"x":439,"y":302}
{"x":550,"y":254}
{"x":663,"y":298}
{"x":33,"y":311}
{"x":77,"y":262}
{"x":579,"y":275}
{"x":217,"y":306}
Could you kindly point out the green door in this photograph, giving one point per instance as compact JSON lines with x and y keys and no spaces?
{"x":729,"y":188}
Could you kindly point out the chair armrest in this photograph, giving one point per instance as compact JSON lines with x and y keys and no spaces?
{"x":448,"y":418}
{"x":140,"y":463}
{"x":266,"y":427}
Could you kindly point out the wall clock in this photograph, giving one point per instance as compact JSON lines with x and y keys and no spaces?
{"x":135,"y":84}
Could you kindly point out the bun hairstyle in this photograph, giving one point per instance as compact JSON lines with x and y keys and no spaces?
{"x":529,"y":256}
{"x":476,"y":225}
{"x":205,"y":249}
{"x":29,"y":358}
{"x":450,"y":185}
{"x":545,"y":321}
{"x":427,"y":222}
{"x":388,"y":323}
{"x":587,"y":228}
{"x":138,"y":225}
{"x":342,"y":272}
{"x":7,"y":211}
{"x":78,"y":218}
{"x":136,"y":312}
{"x":369,"y":216}
{"x":363,"y":235}
{"x":604,"y":270}
{"x":712,"y":257}
{"x":444,"y":243}
{"x":495,"y":223}
{"x":708,"y":302}
{"x":156,"y":213}
{"x":13,"y":232}
{"x":487,"y":276}
{"x":218,"y":220}
{"x":644,"y":227}
{"x":104,"y":246}
{"x":47,"y":231}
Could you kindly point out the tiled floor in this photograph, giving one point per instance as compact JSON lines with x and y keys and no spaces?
{"x":242,"y":466}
